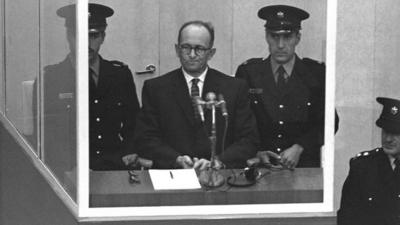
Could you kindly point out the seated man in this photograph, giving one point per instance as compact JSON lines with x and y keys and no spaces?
{"x":371,"y":192}
{"x":169,"y":129}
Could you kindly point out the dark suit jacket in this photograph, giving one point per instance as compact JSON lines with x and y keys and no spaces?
{"x":295,"y":116}
{"x":166,"y":126}
{"x":371,"y":193}
{"x":113,"y":107}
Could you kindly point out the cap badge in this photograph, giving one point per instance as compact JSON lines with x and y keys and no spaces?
{"x":394,"y":110}
{"x":280,"y":15}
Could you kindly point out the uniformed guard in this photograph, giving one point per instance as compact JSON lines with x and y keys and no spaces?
{"x":112,"y":97}
{"x":371,"y":192}
{"x":287,"y":93}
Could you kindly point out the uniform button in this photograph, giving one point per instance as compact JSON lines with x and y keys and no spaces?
{"x":278,"y":149}
{"x":119,"y":103}
{"x":68,"y":106}
{"x":96,"y":101}
{"x":99,"y":137}
{"x":97,"y":152}
{"x":98,"y":119}
{"x":308,"y":103}
{"x":281,"y":106}
{"x":281,"y":122}
{"x":398,"y":195}
{"x":280,"y":135}
{"x":369,"y":199}
{"x":255,"y":102}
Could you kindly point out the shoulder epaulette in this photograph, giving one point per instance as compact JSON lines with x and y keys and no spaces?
{"x":366,"y":154}
{"x":118,"y":63}
{"x":313,"y":62}
{"x":253,"y":61}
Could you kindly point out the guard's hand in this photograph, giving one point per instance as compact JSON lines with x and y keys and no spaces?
{"x":184,"y":161}
{"x":130,"y":159}
{"x":290,"y":157}
{"x":201,"y":164}
{"x":262,"y":158}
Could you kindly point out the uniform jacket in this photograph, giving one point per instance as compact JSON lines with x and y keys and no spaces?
{"x":112,"y":118}
{"x":295,"y":116}
{"x":370,"y":194}
{"x":113,"y":105}
{"x":167,"y":127}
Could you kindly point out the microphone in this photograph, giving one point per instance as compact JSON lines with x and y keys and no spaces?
{"x":222,"y":103}
{"x":210,"y":99}
{"x":199,"y":103}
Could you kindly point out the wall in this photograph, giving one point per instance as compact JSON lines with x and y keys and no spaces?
{"x":367,"y":67}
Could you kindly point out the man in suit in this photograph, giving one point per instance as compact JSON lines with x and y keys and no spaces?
{"x":113,"y":102}
{"x":287,"y":93}
{"x":371,"y":191}
{"x":170,"y":130}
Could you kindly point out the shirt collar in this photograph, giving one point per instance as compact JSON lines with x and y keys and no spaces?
{"x":189,"y":78}
{"x":287,"y":66}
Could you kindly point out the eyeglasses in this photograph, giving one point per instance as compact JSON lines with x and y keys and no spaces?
{"x":198,"y":50}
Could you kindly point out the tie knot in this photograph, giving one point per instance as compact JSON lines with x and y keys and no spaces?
{"x":281,"y":71}
{"x":195,"y":81}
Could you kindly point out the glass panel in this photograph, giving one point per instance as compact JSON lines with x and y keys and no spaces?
{"x":2,"y":89}
{"x":272,"y":185}
{"x":22,"y":57}
{"x":57,"y":48}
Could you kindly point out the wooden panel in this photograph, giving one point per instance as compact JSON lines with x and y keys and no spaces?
{"x":112,"y":188}
{"x":132,"y":36}
{"x":173,"y":13}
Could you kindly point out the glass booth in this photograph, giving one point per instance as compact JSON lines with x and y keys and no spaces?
{"x":44,"y":73}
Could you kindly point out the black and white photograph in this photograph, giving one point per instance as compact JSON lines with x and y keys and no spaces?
{"x":201,"y":112}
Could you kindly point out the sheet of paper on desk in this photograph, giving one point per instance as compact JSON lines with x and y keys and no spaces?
{"x":174,"y":179}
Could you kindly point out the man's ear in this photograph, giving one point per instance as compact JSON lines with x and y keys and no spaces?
{"x":177,"y":50}
{"x":211,"y":53}
{"x":298,"y":37}
{"x":103,"y":34}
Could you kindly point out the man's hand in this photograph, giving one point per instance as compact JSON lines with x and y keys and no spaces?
{"x":184,"y":161}
{"x":130,"y":159}
{"x":290,"y":157}
{"x":264,"y":158}
{"x":201,"y":164}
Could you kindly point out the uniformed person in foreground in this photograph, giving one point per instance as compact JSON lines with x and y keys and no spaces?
{"x":371,"y":192}
{"x":287,"y":93}
{"x":113,"y":101}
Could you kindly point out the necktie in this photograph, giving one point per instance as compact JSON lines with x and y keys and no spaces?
{"x":195,"y":91}
{"x":93,"y":76}
{"x":397,"y":167}
{"x":396,"y":176}
{"x":281,"y":81}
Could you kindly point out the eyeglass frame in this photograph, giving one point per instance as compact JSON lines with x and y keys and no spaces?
{"x":187,"y":49}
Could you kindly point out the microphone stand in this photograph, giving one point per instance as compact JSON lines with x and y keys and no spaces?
{"x":212,"y":178}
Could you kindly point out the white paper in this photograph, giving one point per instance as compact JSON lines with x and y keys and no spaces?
{"x":174,"y":179}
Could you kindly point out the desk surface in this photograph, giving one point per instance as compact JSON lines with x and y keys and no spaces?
{"x":112,"y":188}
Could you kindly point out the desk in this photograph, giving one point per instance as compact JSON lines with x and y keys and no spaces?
{"x":112,"y":189}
